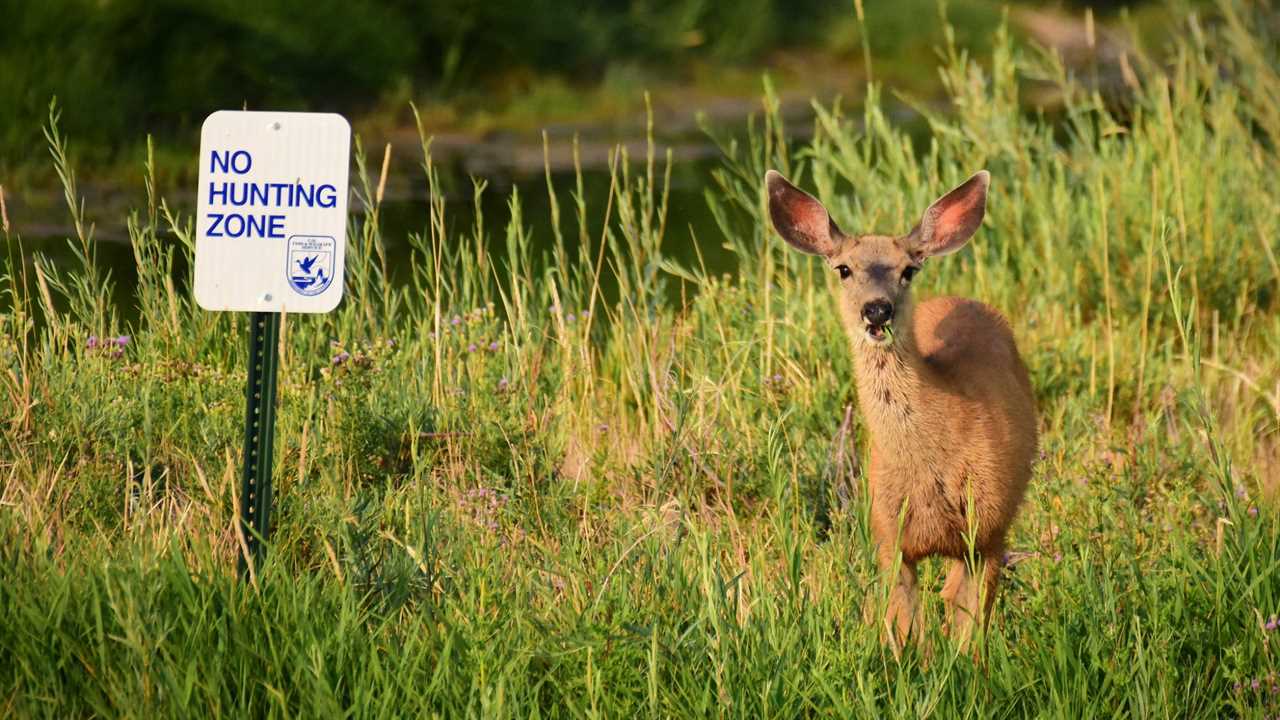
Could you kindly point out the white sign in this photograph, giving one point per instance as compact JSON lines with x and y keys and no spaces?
{"x":271,"y":216}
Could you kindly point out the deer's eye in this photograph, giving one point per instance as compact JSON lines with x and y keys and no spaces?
{"x":909,"y":273}
{"x":844,"y":271}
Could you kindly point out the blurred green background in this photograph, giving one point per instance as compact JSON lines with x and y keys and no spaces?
{"x":123,"y":68}
{"x":486,"y":78}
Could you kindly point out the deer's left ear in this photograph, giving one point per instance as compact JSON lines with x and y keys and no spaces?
{"x":799,"y":218}
{"x":953,"y":218}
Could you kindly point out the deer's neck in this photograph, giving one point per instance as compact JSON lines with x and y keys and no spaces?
{"x":890,"y":383}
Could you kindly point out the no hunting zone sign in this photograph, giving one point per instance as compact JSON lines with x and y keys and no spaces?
{"x":271,"y":220}
{"x":271,"y":211}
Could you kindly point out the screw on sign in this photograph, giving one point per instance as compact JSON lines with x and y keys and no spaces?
{"x":271,"y":216}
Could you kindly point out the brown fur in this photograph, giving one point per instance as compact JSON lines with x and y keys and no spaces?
{"x":948,"y":405}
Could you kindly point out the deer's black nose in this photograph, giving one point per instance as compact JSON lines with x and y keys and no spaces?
{"x":878,"y":312}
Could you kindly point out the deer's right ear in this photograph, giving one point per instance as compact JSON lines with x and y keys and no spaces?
{"x":953,"y":218}
{"x":799,"y":218}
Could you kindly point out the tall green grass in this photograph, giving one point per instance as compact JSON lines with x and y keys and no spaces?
{"x":504,"y":491}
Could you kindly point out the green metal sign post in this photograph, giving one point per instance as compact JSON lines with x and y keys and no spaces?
{"x":259,"y":431}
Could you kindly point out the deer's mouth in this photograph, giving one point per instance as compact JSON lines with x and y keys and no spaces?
{"x":880,"y":335}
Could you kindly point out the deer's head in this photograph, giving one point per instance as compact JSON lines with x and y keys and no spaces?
{"x":876,"y":270}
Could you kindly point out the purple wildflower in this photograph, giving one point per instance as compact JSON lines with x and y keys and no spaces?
{"x":471,"y":348}
{"x":341,"y":357}
{"x":1271,"y":624}
{"x":493,"y":346}
{"x":1255,"y":684}
{"x":92,"y":342}
{"x":569,"y":317}
{"x":455,"y":321}
{"x":122,"y":340}
{"x":777,"y":377}
{"x":585,"y":314}
{"x":1057,"y":557}
{"x":1240,"y":492}
{"x":1253,"y":511}
{"x":502,"y":385}
{"x":117,"y":353}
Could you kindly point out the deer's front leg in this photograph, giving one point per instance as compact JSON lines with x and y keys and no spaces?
{"x":902,"y":611}
{"x":902,"y":605}
{"x":970,"y":593}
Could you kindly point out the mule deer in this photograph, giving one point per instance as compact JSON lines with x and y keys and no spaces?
{"x":944,"y":395}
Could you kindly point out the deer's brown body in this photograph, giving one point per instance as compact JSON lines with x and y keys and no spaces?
{"x":945,"y":397}
{"x":948,"y":407}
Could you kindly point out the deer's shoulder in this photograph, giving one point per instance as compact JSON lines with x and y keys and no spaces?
{"x":956,"y":334}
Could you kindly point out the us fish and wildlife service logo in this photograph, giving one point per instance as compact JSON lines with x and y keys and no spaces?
{"x":310,"y":268}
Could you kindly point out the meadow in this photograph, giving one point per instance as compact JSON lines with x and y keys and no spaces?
{"x":603,"y":481}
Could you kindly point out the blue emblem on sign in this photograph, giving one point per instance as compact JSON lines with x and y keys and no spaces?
{"x":310,"y":268}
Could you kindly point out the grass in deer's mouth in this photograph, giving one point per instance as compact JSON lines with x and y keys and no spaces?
{"x":879,"y":335}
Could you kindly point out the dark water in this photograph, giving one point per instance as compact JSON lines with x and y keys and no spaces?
{"x":506,"y":163}
{"x":688,"y":215}
{"x":406,"y":212}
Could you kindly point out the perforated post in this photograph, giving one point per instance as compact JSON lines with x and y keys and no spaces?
{"x":259,"y":431}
